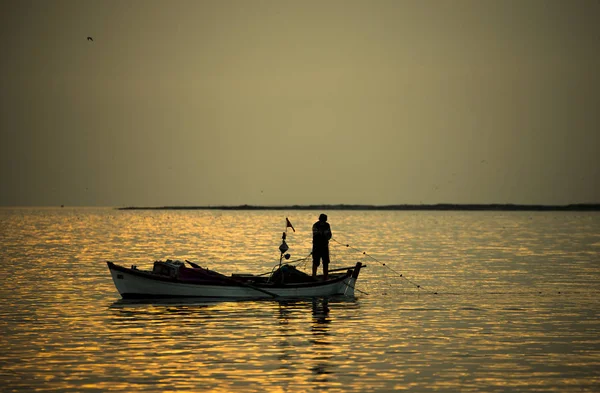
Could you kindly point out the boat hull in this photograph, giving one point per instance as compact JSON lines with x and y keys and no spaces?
{"x":133,"y":283}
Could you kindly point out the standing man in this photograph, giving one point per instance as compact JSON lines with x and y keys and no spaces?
{"x":321,"y":235}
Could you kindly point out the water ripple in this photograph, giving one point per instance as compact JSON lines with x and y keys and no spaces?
{"x":508,"y":302}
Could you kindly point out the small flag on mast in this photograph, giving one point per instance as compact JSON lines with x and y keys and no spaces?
{"x":288,"y":224}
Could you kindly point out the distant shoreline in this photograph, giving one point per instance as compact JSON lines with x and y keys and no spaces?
{"x":436,"y":207}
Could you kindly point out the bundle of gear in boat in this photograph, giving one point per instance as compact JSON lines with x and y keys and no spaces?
{"x":176,"y":269}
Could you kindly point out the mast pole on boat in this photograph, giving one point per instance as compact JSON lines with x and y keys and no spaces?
{"x":283,"y":248}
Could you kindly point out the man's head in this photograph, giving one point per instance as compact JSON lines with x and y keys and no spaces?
{"x":323,"y":217}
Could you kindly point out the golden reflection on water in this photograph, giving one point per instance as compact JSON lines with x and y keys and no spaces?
{"x":228,"y":345}
{"x":517,"y":304}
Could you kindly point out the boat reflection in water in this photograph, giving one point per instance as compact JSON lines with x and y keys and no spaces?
{"x":288,"y":343}
{"x":321,"y":339}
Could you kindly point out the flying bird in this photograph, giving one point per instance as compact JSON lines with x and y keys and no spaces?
{"x":90,"y":39}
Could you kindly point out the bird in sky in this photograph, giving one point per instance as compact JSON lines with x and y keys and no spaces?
{"x":90,"y":39}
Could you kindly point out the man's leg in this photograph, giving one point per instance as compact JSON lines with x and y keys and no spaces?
{"x":316,"y":258}
{"x":325,"y":257}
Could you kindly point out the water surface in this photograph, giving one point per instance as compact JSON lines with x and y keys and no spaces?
{"x":450,"y":301}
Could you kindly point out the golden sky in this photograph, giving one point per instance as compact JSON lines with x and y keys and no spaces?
{"x":299,"y":102}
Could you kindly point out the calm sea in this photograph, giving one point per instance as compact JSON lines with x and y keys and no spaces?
{"x":450,"y":301}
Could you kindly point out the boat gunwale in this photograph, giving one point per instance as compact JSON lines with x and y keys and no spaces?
{"x":229,"y":281}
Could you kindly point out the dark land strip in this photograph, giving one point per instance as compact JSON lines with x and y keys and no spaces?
{"x":434,"y":207}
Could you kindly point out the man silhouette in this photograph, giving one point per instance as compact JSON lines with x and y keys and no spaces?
{"x":320,"y":251}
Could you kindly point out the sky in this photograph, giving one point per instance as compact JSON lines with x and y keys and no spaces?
{"x":231,"y":102}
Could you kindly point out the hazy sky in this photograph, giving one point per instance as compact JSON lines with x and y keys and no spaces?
{"x":299,"y":102}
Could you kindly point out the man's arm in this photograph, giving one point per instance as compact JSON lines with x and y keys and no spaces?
{"x":328,"y":232}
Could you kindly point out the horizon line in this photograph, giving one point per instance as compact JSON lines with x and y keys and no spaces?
{"x":437,"y":206}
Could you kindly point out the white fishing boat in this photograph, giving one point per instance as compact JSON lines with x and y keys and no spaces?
{"x":172,"y":278}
